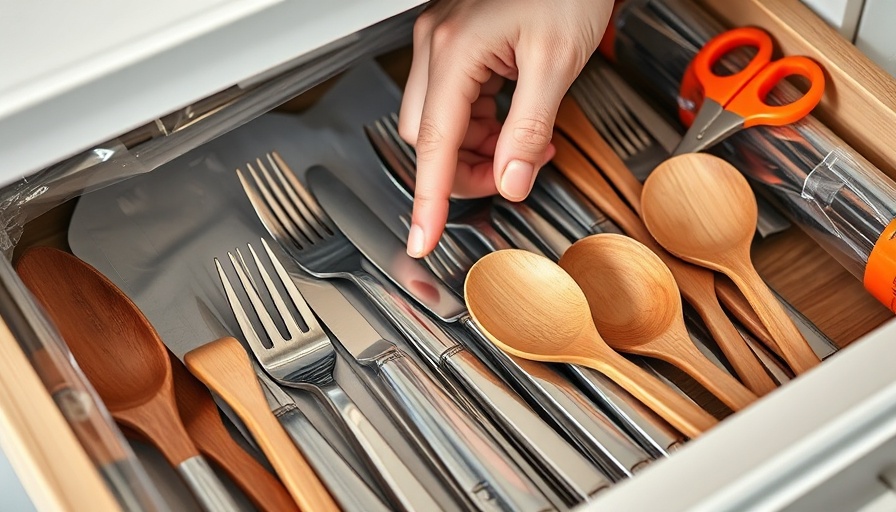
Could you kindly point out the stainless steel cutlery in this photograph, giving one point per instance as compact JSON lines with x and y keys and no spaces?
{"x":330,"y":255}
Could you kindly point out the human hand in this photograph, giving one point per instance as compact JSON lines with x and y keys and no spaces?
{"x":463,"y":50}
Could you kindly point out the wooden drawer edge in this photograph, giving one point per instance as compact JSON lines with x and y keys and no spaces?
{"x":52,"y":466}
{"x":860,"y":100}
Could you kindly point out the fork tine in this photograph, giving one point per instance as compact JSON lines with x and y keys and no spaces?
{"x":242,"y":319}
{"x":271,"y":205}
{"x":295,"y":295}
{"x":615,"y":108}
{"x":291,"y":182}
{"x":622,"y":107}
{"x":293,"y":329}
{"x":582,"y":93}
{"x":391,"y":124}
{"x":261,"y":310}
{"x":287,"y":202}
{"x":407,"y":162}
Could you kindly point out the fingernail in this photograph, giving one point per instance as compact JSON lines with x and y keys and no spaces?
{"x":415,"y":241}
{"x":516,"y":182}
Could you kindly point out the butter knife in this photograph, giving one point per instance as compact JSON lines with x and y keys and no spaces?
{"x":486,"y":475}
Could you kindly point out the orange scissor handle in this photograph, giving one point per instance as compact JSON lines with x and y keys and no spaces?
{"x":750,"y":102}
{"x":723,"y":89}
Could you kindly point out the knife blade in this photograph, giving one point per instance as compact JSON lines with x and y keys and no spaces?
{"x":376,"y":242}
{"x":485,"y":474}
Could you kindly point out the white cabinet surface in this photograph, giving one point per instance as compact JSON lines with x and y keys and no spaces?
{"x":78,"y":73}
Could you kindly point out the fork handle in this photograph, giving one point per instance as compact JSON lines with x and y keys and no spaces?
{"x":484,"y":472}
{"x":386,"y":465}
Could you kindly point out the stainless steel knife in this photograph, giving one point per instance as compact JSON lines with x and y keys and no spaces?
{"x":386,"y":252}
{"x":487,"y":476}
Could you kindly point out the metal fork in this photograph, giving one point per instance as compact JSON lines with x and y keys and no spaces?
{"x":324,"y":252}
{"x":611,"y":115}
{"x":400,"y":166}
{"x":306,"y":359}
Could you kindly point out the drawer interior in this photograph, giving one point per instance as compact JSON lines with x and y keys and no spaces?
{"x":791,"y":262}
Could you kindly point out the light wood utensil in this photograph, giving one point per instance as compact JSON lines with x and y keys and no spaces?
{"x":531,"y":308}
{"x":696,"y":284}
{"x":224,"y":367}
{"x":575,"y":124}
{"x":122,"y":356}
{"x":636,"y":306}
{"x":702,"y":209}
{"x":203,"y":423}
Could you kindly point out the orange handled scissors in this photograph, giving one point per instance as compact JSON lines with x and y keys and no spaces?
{"x":737,"y":101}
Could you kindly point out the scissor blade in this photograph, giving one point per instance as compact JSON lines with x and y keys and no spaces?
{"x":712,"y":124}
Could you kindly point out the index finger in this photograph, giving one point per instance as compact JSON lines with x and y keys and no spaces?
{"x":443,"y":124}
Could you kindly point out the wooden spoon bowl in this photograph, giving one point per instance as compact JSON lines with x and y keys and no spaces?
{"x":115,"y":345}
{"x":702,"y":209}
{"x":531,"y":308}
{"x":631,"y":293}
{"x":636,"y":306}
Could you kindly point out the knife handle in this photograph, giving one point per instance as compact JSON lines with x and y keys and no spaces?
{"x":396,"y":478}
{"x":484,"y":472}
{"x":568,"y":471}
{"x":345,"y":485}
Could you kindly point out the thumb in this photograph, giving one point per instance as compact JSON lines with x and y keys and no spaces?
{"x":524,"y":144}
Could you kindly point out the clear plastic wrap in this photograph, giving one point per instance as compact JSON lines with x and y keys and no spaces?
{"x":824,"y":186}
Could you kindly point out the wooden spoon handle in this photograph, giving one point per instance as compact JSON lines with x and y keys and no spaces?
{"x":680,"y":412}
{"x":734,"y":300}
{"x":573,"y":122}
{"x":690,"y":360}
{"x":794,"y":348}
{"x":746,"y":364}
{"x":203,"y":423}
{"x":224,"y":367}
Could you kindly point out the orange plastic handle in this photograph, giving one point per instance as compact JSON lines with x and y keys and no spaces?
{"x":723,"y":89}
{"x":750,"y":102}
{"x":880,"y":271}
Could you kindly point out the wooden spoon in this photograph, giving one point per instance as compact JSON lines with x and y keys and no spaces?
{"x":696,"y":283}
{"x":573,"y":122}
{"x":531,"y":308}
{"x":203,"y":423}
{"x":636,"y":306}
{"x":702,"y":209}
{"x":122,"y":356}
{"x":224,"y":367}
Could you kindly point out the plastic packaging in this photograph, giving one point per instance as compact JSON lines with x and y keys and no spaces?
{"x":824,"y":186}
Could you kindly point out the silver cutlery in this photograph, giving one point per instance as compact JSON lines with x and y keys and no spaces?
{"x":330,"y":255}
{"x":488,"y":478}
{"x":471,"y":216}
{"x":451,"y":260}
{"x":306,"y":360}
{"x":593,"y":433}
{"x":349,"y":490}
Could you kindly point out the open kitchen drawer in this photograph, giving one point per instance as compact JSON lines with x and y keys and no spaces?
{"x":825,"y":441}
